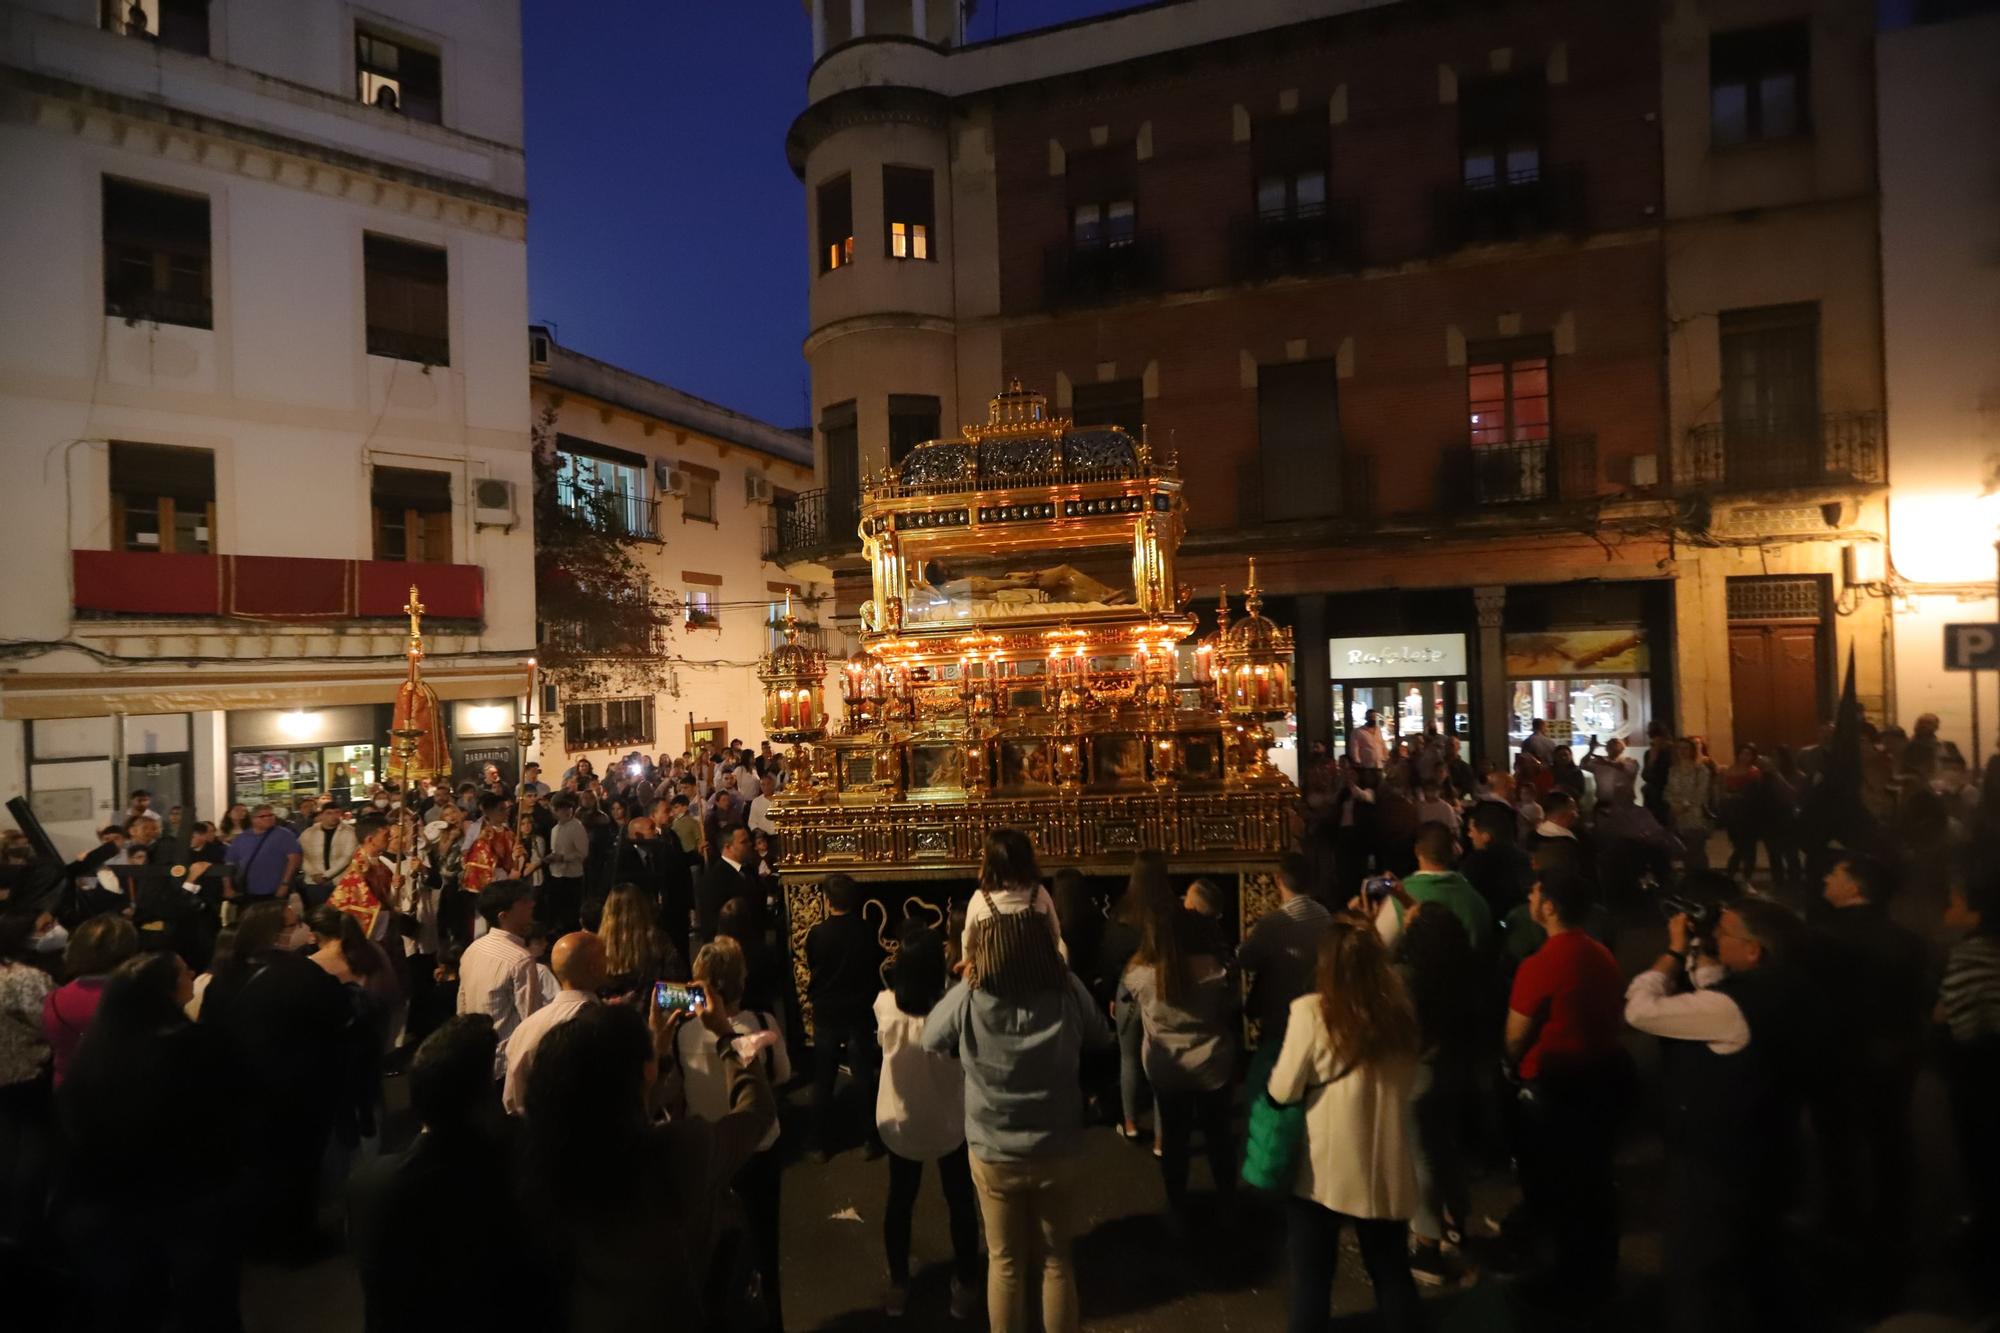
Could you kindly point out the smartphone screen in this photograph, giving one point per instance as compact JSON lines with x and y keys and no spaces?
{"x":671,"y":995}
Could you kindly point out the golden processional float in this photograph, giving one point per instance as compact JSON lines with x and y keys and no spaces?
{"x":1022,"y":666}
{"x":417,"y":753}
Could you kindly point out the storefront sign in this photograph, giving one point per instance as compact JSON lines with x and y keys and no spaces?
{"x":1578,"y":652}
{"x":1423,"y":656}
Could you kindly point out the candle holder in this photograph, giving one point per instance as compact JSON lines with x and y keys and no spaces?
{"x":1253,"y":670}
{"x":794,"y":678}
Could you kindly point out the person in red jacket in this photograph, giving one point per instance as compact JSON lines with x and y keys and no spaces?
{"x":95,"y":950}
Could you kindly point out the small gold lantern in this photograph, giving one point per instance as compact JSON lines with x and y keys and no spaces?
{"x":1253,"y":668}
{"x":794,"y":679}
{"x":862,"y":682}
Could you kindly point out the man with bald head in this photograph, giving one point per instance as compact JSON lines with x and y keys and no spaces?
{"x":578,"y":962}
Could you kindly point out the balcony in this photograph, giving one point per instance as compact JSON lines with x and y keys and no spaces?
{"x":1519,"y":472}
{"x":1517,"y":208}
{"x":812,"y":526}
{"x":1284,"y":245}
{"x":1831,"y":449}
{"x":1100,"y":272}
{"x":152,"y":585}
{"x":137,"y":305}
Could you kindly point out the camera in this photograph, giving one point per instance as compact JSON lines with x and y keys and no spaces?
{"x":1701,"y":913}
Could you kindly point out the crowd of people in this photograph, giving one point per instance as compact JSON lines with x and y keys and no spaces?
{"x":585,"y":989}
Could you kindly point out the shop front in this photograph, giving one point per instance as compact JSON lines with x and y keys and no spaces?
{"x":1414,"y":683}
{"x":1589,"y":685}
{"x":482,"y":733}
{"x":277,"y":756}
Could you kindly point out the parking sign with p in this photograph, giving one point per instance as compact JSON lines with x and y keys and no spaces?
{"x":1972,"y":647}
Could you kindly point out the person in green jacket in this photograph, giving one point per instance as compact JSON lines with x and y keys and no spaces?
{"x":1437,"y":882}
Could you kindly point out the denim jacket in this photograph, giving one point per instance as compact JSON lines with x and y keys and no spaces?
{"x":1022,"y":1095}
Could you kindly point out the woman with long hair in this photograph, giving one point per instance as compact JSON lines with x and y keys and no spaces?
{"x":920,"y":1114}
{"x":1018,"y":1024}
{"x":149,"y":1115}
{"x":95,"y":948}
{"x":1351,"y":1053}
{"x":1010,"y":884}
{"x":637,"y":952}
{"x":630,"y":1205}
{"x":1188,"y":1004}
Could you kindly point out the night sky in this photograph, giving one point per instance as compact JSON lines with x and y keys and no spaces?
{"x":665,"y":232}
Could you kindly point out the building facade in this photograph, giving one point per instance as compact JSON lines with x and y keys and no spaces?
{"x":261,"y":372}
{"x":694,"y":487}
{"x":1431,"y":302}
{"x":1941,"y":310}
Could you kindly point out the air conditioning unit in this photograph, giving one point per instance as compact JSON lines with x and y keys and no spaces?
{"x":1645,"y":470}
{"x":757,"y":489}
{"x":493,"y":503}
{"x":672,"y":480}
{"x":538,"y":349}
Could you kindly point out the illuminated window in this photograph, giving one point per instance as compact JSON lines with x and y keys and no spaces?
{"x":908,"y":207}
{"x":836,"y":224}
{"x":179,"y":25}
{"x":393,"y":75}
{"x":1507,"y":399}
{"x":591,"y":724}
{"x":701,"y":608}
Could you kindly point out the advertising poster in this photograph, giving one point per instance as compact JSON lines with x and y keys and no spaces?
{"x":1578,"y":652}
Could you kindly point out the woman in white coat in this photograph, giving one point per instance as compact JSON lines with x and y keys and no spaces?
{"x":1351,"y":1054}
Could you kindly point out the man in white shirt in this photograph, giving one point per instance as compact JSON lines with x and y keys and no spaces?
{"x":748,"y":783}
{"x":497,"y":976}
{"x":325,"y":849}
{"x":578,"y":962}
{"x":1736,"y":1051}
{"x":760,"y":809}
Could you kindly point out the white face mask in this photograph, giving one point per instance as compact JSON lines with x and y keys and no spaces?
{"x":381,"y":803}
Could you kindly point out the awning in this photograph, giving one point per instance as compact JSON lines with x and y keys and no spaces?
{"x":28,"y":695}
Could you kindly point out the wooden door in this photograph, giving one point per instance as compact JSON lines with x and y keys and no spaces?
{"x":1774,"y":683}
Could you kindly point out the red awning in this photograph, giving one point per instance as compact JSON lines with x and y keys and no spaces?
{"x":271,"y":587}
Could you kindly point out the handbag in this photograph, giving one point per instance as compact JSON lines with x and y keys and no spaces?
{"x":1276,"y":1132}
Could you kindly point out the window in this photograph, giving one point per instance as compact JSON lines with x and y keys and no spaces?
{"x":838,"y":431}
{"x":1770,"y":372}
{"x":1298,"y":439}
{"x":162,"y":499}
{"x":836,"y":224}
{"x":1757,"y":84}
{"x":156,"y":255}
{"x":592,"y":724}
{"x":1103,"y":190}
{"x":1114,"y":403}
{"x":1291,"y":154}
{"x":179,"y":25}
{"x":604,"y":484}
{"x":1500,"y":131}
{"x":412,"y":514}
{"x":810,"y":634}
{"x":913,"y":419}
{"x":698,"y":500}
{"x":1507,"y":394}
{"x":392,"y":74}
{"x":408,"y":300}
{"x":907,"y":206}
{"x":702,"y":608}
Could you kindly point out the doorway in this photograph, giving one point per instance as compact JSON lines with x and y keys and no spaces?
{"x":165,"y":777}
{"x":1778,"y":679}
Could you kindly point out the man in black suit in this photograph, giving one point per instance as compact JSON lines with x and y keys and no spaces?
{"x":726,"y":878}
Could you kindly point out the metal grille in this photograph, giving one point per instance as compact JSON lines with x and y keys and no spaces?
{"x":1802,"y":598}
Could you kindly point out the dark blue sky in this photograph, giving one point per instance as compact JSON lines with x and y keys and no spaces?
{"x":665,"y":232}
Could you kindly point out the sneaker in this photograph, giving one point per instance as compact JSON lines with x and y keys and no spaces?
{"x":896,"y":1303}
{"x":965,"y":1301}
{"x":1429,"y":1267}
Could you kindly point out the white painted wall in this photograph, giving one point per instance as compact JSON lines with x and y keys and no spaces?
{"x":281,"y":389}
{"x":1939,"y":96}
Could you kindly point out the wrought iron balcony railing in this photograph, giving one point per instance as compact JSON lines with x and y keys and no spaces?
{"x":1102,"y":271}
{"x":1278,"y":245}
{"x":1829,"y":448}
{"x":1510,"y":209}
{"x":813,"y":524}
{"x":1480,"y":476}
